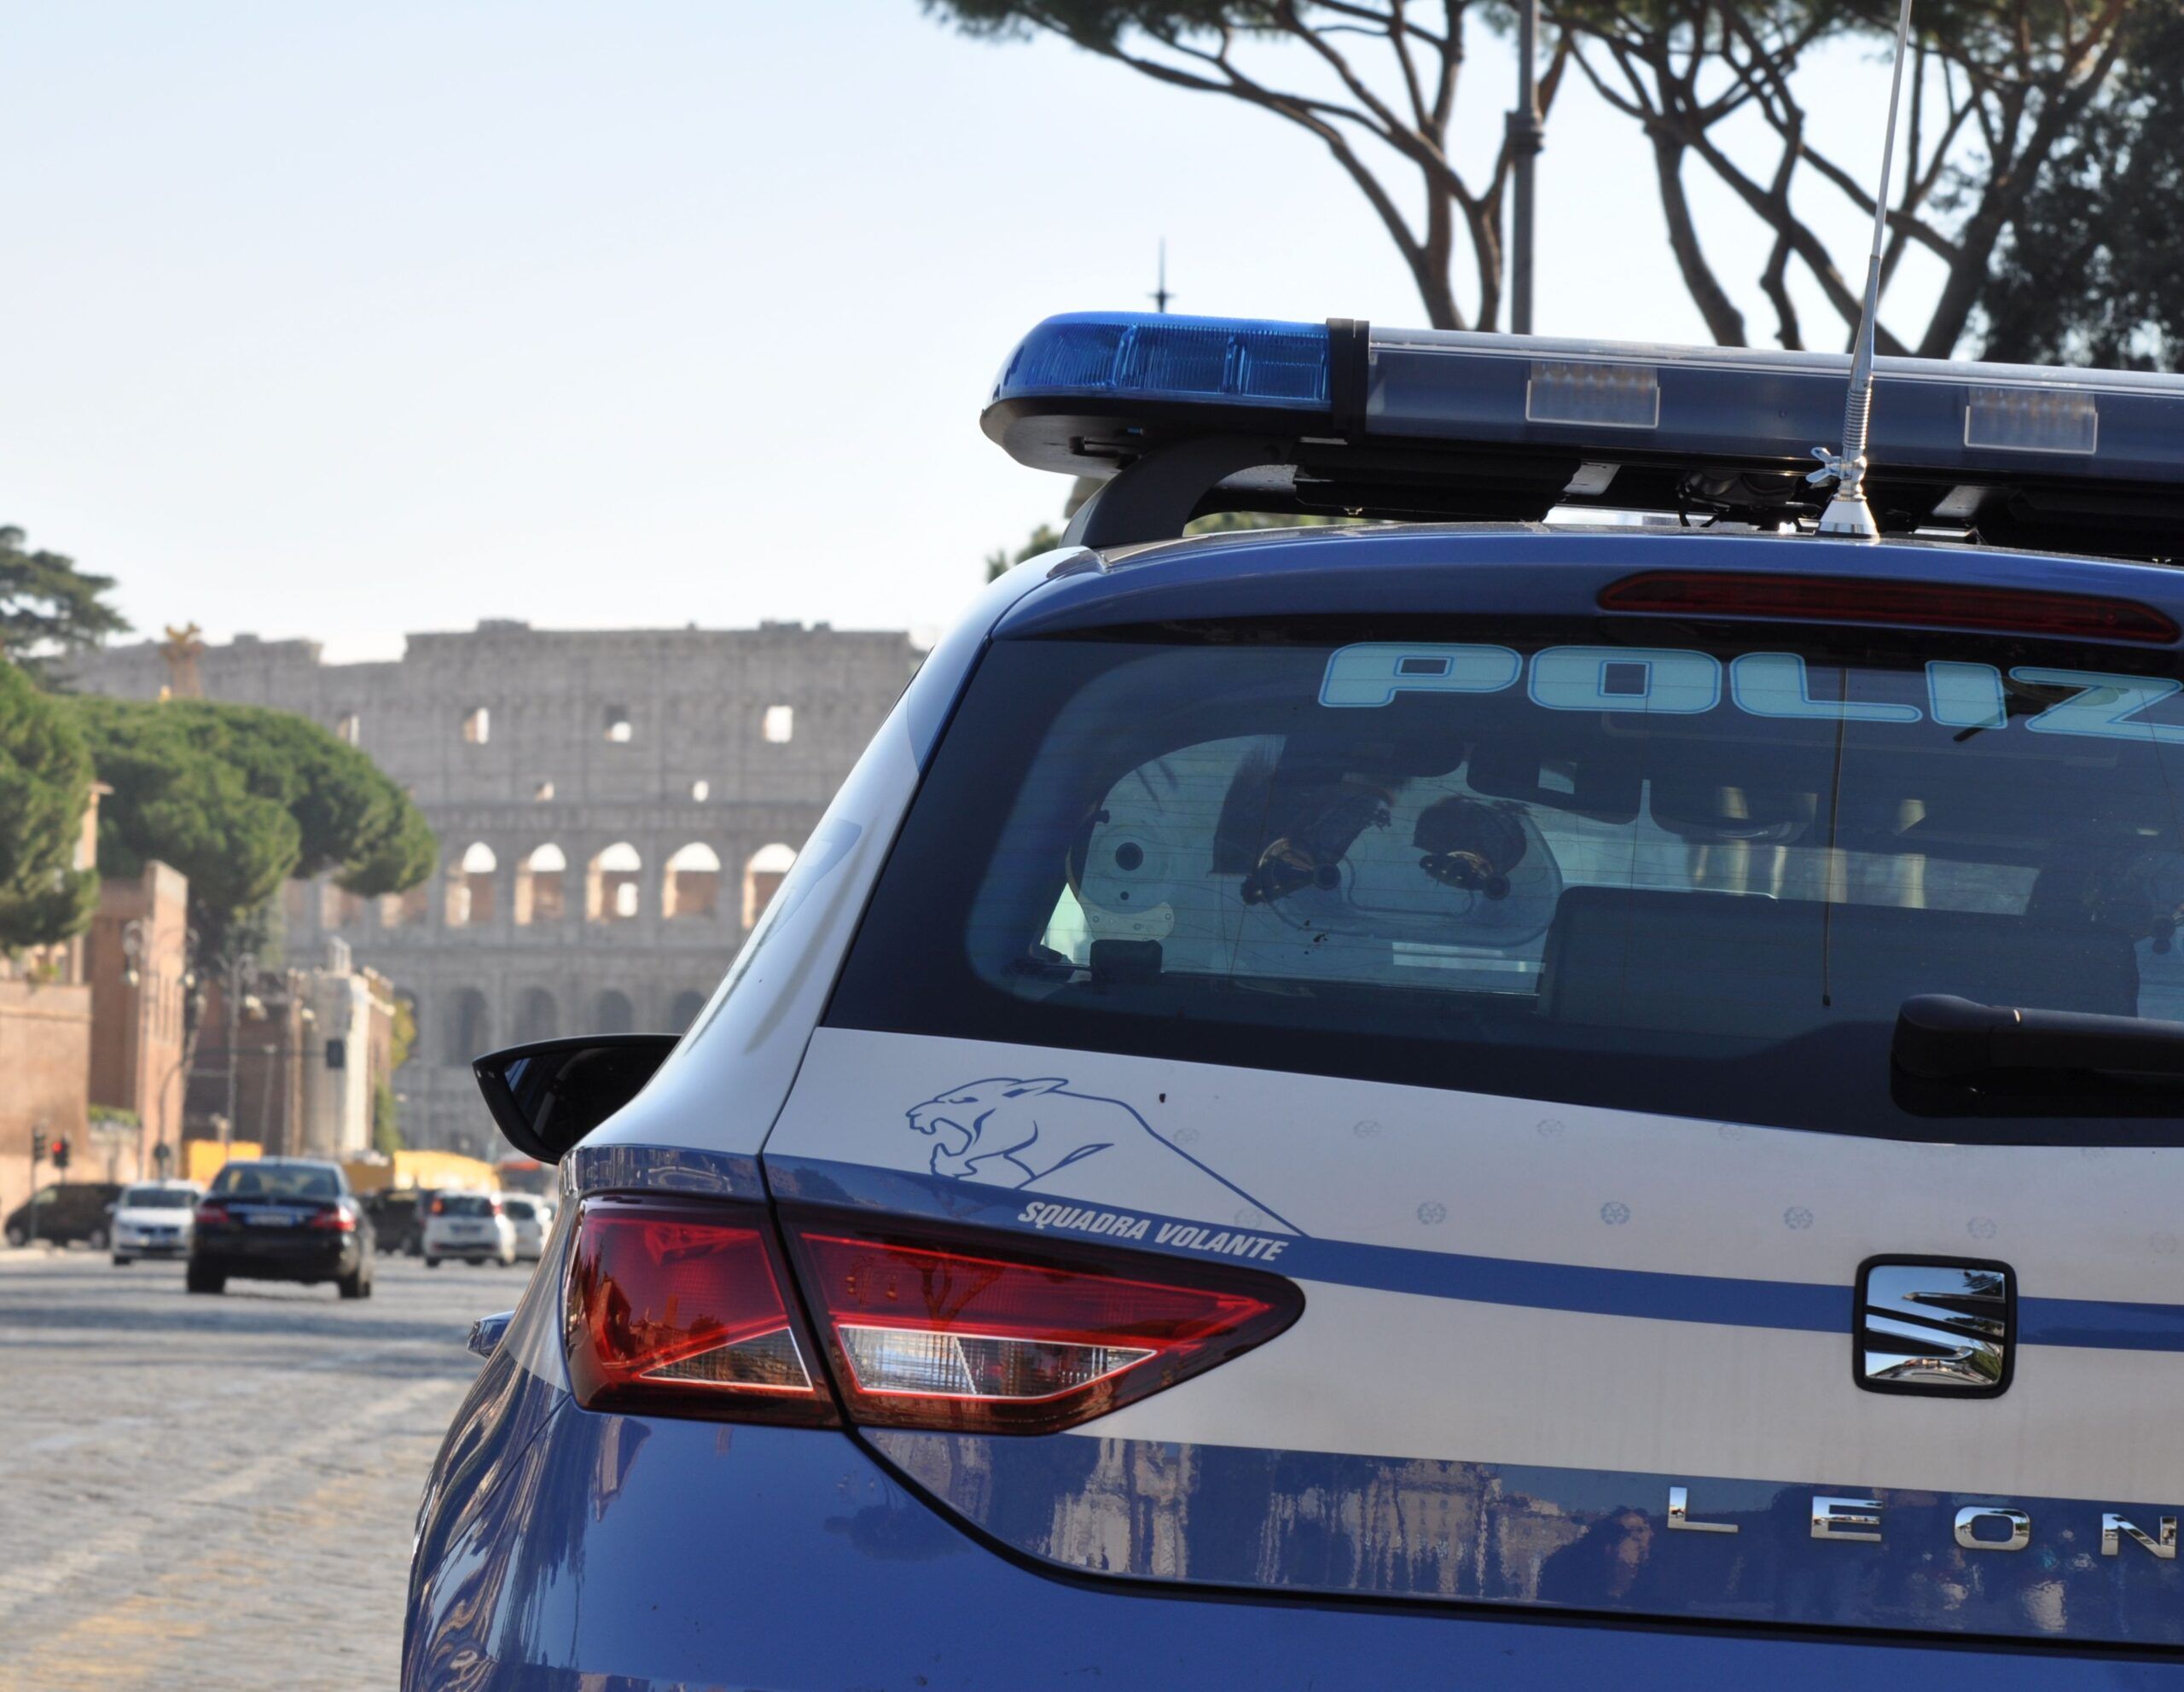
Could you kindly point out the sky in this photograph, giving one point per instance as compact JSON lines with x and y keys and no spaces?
{"x":340,"y":323}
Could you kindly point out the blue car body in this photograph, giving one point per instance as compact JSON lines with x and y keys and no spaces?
{"x":1586,"y":1379}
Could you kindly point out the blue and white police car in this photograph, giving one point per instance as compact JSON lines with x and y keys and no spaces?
{"x":1556,"y":1080}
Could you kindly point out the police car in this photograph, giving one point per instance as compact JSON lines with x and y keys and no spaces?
{"x":1556,"y":1080}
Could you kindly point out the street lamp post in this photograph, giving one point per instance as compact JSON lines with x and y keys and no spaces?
{"x":1527,"y":135}
{"x":241,"y":963}
{"x":132,"y":974}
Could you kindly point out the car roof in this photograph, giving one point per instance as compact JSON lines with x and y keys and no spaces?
{"x":1525,"y":568}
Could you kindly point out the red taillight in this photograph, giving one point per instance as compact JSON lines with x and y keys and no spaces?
{"x":338,"y":1221}
{"x":929,"y":1335}
{"x":496,"y":1208}
{"x":439,"y":1207}
{"x":1852,"y":599}
{"x":679,"y":1309}
{"x":215,"y":1214}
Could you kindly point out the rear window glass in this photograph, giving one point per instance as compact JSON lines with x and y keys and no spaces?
{"x":519,"y":1210}
{"x":158,"y":1198}
{"x":466,"y":1204}
{"x":1696,"y":878}
{"x":276,"y":1181}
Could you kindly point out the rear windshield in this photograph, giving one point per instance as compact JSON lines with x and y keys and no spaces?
{"x":1698,"y":877}
{"x":519,"y":1210}
{"x":158,"y":1198}
{"x":466,"y":1204}
{"x":276,"y":1181}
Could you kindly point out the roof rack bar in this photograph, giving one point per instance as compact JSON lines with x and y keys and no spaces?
{"x":1154,"y":497}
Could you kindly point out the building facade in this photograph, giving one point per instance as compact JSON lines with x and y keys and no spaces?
{"x":613,"y":810}
{"x":288,"y":1058}
{"x":45,"y":1057}
{"x":135,"y":959}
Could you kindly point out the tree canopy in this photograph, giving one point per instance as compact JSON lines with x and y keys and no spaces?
{"x":1994,"y":91}
{"x":45,"y":782}
{"x":2093,"y":270}
{"x":239,"y":799}
{"x":1000,"y":562}
{"x":47,"y":605}
{"x":2032,"y":130}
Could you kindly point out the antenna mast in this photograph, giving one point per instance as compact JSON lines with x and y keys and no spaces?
{"x":1160,"y":296}
{"x":1848,"y":514}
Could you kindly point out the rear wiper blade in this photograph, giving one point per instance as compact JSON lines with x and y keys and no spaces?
{"x":1941,"y":1037}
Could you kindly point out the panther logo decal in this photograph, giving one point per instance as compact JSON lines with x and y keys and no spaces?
{"x":1007,"y":1133}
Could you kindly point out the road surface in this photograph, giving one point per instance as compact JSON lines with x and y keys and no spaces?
{"x":216,"y":1492}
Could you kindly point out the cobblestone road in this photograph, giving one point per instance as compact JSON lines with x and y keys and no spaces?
{"x":217,"y":1493}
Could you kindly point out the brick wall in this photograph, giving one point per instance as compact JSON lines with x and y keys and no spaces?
{"x":45,"y":1055}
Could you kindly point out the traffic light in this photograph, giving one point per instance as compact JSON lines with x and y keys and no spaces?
{"x":60,"y":1153}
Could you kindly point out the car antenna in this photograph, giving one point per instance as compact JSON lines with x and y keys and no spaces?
{"x":1848,"y":514}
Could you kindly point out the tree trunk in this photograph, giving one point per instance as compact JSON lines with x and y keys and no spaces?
{"x":1486,"y":244}
{"x":1967,"y":274}
{"x":1429,"y":262}
{"x":1723,"y":321}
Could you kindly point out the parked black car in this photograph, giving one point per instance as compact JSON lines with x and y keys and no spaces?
{"x":282,"y":1218}
{"x":397,"y":1215}
{"x":65,"y":1213}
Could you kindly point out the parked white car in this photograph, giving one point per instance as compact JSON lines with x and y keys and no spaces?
{"x":153,"y":1219}
{"x":471,"y":1226}
{"x":533,"y":1218}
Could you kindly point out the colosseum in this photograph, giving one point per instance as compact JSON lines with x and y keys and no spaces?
{"x":614,"y":808}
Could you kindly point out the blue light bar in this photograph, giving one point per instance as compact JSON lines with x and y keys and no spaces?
{"x":1614,"y":403}
{"x":1231,"y":361}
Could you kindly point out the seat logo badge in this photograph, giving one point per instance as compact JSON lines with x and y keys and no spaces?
{"x":1942,"y":1326}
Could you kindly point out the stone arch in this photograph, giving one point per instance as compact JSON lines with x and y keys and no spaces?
{"x":541,"y":886}
{"x":612,"y":1013}
{"x":538,"y":1016}
{"x":612,"y":884}
{"x":691,"y":885}
{"x":762,"y":878}
{"x":687,"y":1004}
{"x":471,"y":880}
{"x":468,"y":1027}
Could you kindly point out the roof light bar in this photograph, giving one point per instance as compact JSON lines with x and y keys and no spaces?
{"x":1171,"y":357}
{"x":1372,"y":417}
{"x":1738,"y":404}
